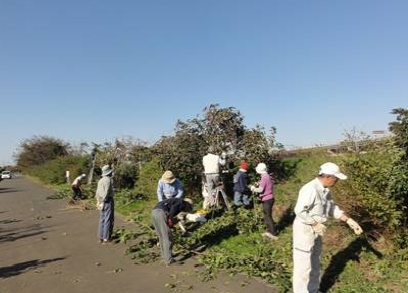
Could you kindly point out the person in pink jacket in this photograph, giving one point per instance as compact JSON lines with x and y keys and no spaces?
{"x":265,"y":193}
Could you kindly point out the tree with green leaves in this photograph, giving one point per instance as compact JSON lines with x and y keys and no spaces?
{"x":221,"y":128}
{"x":400,"y":128}
{"x":400,"y":179}
{"x":38,"y":150}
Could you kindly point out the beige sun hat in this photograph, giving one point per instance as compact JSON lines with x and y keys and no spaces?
{"x":168,"y":177}
{"x":106,"y":170}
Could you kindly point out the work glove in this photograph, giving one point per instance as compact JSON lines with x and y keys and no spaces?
{"x":252,"y":187}
{"x":99,"y":206}
{"x":181,"y":217}
{"x":223,"y":155}
{"x":170,"y":223}
{"x":319,"y":229}
{"x":196,"y":218}
{"x":353,"y":225}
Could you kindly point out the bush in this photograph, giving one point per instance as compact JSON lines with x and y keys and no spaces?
{"x":370,"y":187}
{"x":148,"y":177}
{"x":53,"y":172}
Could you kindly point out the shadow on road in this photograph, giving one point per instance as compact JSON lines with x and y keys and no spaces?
{"x":9,"y":221}
{"x":22,"y":267}
{"x":8,"y":190}
{"x":9,"y":236}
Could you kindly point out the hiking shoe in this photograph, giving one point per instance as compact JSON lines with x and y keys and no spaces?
{"x":105,"y":241}
{"x":270,"y":236}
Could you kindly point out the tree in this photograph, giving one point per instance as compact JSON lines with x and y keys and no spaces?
{"x":400,"y":129}
{"x":125,"y":155}
{"x":40,"y":149}
{"x":182,"y":153}
{"x":223,"y":127}
{"x":256,"y":145}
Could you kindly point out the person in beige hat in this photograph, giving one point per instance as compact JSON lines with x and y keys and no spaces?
{"x":314,"y":206}
{"x":169,"y":186}
{"x":105,"y":204}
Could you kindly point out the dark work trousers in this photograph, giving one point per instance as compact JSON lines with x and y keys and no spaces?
{"x":107,"y":219}
{"x":159,"y":221}
{"x":267,"y":206}
{"x":77,"y":192}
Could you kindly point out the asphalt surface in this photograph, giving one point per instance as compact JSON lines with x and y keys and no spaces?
{"x":48,"y":247}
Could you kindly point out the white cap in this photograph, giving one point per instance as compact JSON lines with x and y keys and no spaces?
{"x":261,"y":168}
{"x":331,"y":169}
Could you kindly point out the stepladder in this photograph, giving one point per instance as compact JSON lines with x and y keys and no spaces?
{"x":218,"y":198}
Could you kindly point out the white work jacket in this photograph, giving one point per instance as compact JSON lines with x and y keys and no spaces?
{"x":315,"y":204}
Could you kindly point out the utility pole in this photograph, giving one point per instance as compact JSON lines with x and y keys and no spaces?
{"x":91,"y":171}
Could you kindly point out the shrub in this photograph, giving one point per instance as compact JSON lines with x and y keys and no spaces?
{"x":372,"y":177}
{"x":53,"y":171}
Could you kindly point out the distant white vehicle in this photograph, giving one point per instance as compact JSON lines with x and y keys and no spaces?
{"x":6,"y":175}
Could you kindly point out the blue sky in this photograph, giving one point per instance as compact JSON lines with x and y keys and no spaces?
{"x":92,"y":71}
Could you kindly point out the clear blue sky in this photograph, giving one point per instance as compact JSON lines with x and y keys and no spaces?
{"x":94,"y":70}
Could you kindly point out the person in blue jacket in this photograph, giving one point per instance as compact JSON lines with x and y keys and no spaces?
{"x":169,"y":186}
{"x":241,"y":190}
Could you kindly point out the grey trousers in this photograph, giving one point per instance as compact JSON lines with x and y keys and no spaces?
{"x":212,"y":180}
{"x":159,"y":221}
{"x":106,"y":219}
{"x":307,"y":248}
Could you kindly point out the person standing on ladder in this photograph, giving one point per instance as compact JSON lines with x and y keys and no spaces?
{"x":212,"y":164}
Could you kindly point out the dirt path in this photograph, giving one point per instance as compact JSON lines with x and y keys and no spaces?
{"x":46,"y":248}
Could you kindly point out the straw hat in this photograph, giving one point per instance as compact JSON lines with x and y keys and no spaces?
{"x":168,"y":177}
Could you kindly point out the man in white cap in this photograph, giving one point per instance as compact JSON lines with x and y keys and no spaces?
{"x":76,"y":187}
{"x":313,"y":207}
{"x":105,"y":204}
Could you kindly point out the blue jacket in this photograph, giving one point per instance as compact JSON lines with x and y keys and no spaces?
{"x":241,"y":182}
{"x":167,"y":190}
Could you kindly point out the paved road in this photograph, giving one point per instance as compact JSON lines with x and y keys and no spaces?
{"x":47,"y":248}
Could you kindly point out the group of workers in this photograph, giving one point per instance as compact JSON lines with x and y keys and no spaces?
{"x":170,"y":196}
{"x":313,"y":208}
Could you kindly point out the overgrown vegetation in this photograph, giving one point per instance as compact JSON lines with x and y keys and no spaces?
{"x":376,"y":194}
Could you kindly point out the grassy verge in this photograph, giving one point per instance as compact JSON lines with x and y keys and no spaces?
{"x":232,"y":241}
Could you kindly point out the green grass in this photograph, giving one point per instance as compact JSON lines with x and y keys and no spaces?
{"x":233,"y":241}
